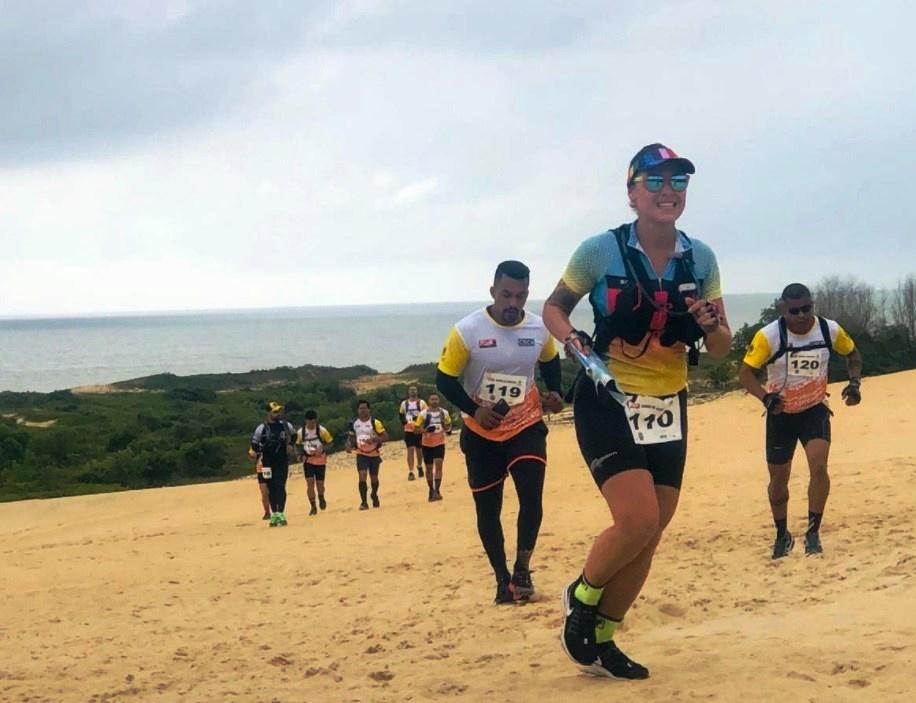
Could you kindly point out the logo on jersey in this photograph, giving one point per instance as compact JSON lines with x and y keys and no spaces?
{"x":488,"y":343}
{"x":526,"y":342}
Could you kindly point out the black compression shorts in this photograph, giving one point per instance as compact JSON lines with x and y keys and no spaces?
{"x":430,"y":453}
{"x":368,"y":463}
{"x":412,"y":439}
{"x":489,"y":462}
{"x":785,"y":430}
{"x":607,"y":444}
{"x":314,"y":471}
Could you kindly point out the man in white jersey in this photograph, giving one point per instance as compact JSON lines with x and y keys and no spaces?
{"x":366,"y":436}
{"x":412,"y":406}
{"x":795,"y":349}
{"x":312,"y":441}
{"x":487,"y":370}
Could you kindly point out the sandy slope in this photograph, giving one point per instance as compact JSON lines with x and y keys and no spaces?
{"x":183,"y":594}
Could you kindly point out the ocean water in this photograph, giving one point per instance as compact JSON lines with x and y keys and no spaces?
{"x":48,"y":354}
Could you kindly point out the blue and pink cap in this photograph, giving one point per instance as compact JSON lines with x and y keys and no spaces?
{"x":653,"y":155}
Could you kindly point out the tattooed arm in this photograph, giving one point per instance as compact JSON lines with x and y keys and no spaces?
{"x":557,"y":310}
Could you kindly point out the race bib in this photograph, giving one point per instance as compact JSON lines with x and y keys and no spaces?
{"x":266,"y":472}
{"x":502,"y":386}
{"x":366,"y":442}
{"x":312,"y":446}
{"x":654,"y":420}
{"x":808,"y":364}
{"x":433,"y":428}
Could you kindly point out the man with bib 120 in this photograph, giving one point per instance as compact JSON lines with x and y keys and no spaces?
{"x":487,"y":370}
{"x":795,"y":349}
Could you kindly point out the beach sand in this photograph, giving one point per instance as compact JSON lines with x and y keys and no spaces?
{"x":184,"y":594}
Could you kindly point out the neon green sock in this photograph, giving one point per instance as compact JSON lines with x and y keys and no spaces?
{"x":605,"y":629}
{"x":586,"y":593}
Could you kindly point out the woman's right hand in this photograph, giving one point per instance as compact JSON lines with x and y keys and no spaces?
{"x":578,"y":340}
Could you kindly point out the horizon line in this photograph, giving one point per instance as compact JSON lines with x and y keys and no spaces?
{"x":4,"y":317}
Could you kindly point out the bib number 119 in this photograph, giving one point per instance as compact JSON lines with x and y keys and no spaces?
{"x":507,"y":392}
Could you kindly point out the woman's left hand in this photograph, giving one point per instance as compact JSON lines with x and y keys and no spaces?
{"x":705,"y":313}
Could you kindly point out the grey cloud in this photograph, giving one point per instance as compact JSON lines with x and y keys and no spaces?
{"x":476,"y":25}
{"x":76,"y":80}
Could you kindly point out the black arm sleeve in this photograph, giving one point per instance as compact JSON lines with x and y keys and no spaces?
{"x":552,"y":374}
{"x":454,"y":392}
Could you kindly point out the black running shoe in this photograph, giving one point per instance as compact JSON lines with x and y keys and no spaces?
{"x":503,"y":593}
{"x":432,"y":495}
{"x":363,"y":506}
{"x":313,"y":511}
{"x":266,"y":516}
{"x":419,"y":472}
{"x":783,"y":545}
{"x":521,"y":585}
{"x":375,"y":502}
{"x":578,"y":637}
{"x":813,"y":544}
{"x":322,"y":503}
{"x":410,"y":476}
{"x":615,"y":664}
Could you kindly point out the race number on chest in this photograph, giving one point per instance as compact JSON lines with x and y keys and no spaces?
{"x":654,"y":420}
{"x":502,"y":386}
{"x":805,"y":363}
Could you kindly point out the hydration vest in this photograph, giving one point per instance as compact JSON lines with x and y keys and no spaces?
{"x":638,"y":304}
{"x":274,"y":439}
{"x":784,"y":340}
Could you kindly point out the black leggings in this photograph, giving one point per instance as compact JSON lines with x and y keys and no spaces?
{"x":528,"y":475}
{"x":276,"y":488}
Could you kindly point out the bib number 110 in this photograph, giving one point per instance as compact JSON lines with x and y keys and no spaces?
{"x":649,"y":421}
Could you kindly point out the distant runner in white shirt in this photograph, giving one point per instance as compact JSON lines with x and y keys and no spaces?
{"x":412,"y":406}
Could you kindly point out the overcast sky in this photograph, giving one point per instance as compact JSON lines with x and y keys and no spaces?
{"x":186,"y":155}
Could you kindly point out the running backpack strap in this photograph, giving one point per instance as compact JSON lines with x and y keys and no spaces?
{"x":783,"y":342}
{"x":603,"y":335}
{"x":825,"y":333}
{"x":620,"y":235}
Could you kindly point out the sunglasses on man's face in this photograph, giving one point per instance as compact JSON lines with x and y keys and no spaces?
{"x":655,"y":183}
{"x":801,"y":310}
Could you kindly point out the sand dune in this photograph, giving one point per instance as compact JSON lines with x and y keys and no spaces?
{"x":183,"y":594}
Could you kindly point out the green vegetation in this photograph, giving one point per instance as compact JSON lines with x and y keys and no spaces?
{"x":167,"y":430}
{"x":178,"y":430}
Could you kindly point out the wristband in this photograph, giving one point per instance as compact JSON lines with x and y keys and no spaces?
{"x":583,"y":337}
{"x":770,"y":400}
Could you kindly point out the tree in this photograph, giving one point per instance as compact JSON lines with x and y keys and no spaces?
{"x":903,"y":305}
{"x":852,"y":303}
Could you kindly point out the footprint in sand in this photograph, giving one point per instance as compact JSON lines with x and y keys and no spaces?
{"x":672,"y":609}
